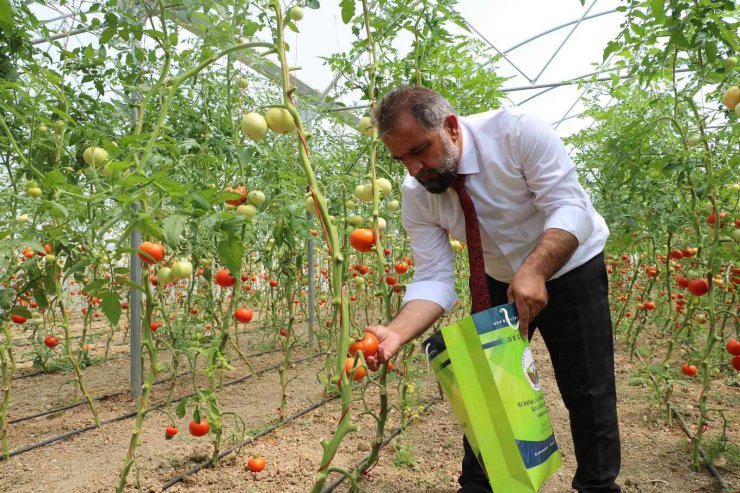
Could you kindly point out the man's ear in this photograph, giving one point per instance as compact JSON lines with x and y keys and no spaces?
{"x":452,"y":125}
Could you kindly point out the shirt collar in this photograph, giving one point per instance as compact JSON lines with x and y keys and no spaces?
{"x":469,"y":159}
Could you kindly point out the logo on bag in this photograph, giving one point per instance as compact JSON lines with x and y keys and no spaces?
{"x":530,"y":370}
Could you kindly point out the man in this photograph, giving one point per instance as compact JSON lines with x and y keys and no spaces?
{"x":542,"y":245}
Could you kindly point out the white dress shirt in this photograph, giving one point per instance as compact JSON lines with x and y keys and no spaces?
{"x":522,"y":182}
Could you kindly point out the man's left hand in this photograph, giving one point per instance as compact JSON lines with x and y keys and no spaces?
{"x":527,"y":290}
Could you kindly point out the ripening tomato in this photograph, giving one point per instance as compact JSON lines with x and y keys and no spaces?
{"x":649,"y":305}
{"x":240,"y":190}
{"x":676,"y":254}
{"x":688,"y":370}
{"x":224,"y":279}
{"x":699,"y":286}
{"x":401,"y":267}
{"x":151,"y":253}
{"x":243,"y":315}
{"x":359,"y":370}
{"x":199,"y":429}
{"x":651,"y":271}
{"x":314,"y":232}
{"x":362,"y":239}
{"x":256,"y":464}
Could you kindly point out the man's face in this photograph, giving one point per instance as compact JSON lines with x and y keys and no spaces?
{"x":430,"y":156}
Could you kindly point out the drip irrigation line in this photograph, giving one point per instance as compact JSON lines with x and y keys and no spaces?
{"x":116,"y":394}
{"x":118,"y":344}
{"x":131,"y":414}
{"x":331,"y":486}
{"x":224,"y":453}
{"x":707,"y":461}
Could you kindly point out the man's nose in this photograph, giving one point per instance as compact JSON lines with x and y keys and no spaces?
{"x":413,"y":166}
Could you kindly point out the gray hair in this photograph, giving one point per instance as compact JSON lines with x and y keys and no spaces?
{"x":429,"y":108}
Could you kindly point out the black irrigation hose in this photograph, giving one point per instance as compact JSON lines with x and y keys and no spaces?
{"x":224,"y":453}
{"x":119,"y":344}
{"x":331,"y":486}
{"x":114,"y":394}
{"x":79,"y":431}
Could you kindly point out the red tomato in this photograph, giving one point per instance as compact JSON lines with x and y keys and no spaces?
{"x":224,"y":278}
{"x":243,"y":315}
{"x":649,"y":305}
{"x":364,"y":269}
{"x":391,"y":280}
{"x":362,"y":239}
{"x":401,"y":267}
{"x":736,"y":363}
{"x":153,"y":326}
{"x":19,"y":319}
{"x":689,"y":370}
{"x":51,"y":341}
{"x":273,"y":283}
{"x":170,"y":432}
{"x":151,"y":253}
{"x":256,"y":464}
{"x":683,"y":282}
{"x":651,"y":271}
{"x":368,"y":345}
{"x":676,"y":254}
{"x":240,"y":190}
{"x":733,"y":347}
{"x":199,"y":429}
{"x":699,"y":286}
{"x":314,"y":232}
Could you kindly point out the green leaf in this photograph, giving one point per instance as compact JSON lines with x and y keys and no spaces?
{"x":53,"y":178}
{"x":173,"y":227}
{"x":611,"y":47}
{"x":348,"y":10}
{"x":6,"y":16}
{"x":111,"y":306}
{"x":231,"y":251}
{"x":182,"y":407}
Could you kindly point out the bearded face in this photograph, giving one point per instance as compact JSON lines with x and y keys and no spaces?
{"x":438,"y":180}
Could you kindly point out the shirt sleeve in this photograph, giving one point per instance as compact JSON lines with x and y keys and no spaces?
{"x":434,"y":271}
{"x":551,"y":177}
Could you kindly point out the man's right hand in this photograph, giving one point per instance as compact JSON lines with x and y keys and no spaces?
{"x":389,"y":343}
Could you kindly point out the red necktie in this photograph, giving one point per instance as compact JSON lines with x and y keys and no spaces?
{"x":477,"y":280}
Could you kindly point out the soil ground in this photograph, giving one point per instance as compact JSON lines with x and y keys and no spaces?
{"x":656,"y":458}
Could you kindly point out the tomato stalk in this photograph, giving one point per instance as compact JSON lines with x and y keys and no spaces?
{"x":7,"y":366}
{"x":68,"y":345}
{"x":143,"y":401}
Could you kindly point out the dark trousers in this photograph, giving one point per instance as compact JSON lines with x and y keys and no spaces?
{"x":576,"y":327}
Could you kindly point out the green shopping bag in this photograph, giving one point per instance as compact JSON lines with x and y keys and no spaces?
{"x":487,"y":372}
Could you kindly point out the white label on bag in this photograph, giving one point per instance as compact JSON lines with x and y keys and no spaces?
{"x":530,"y":370}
